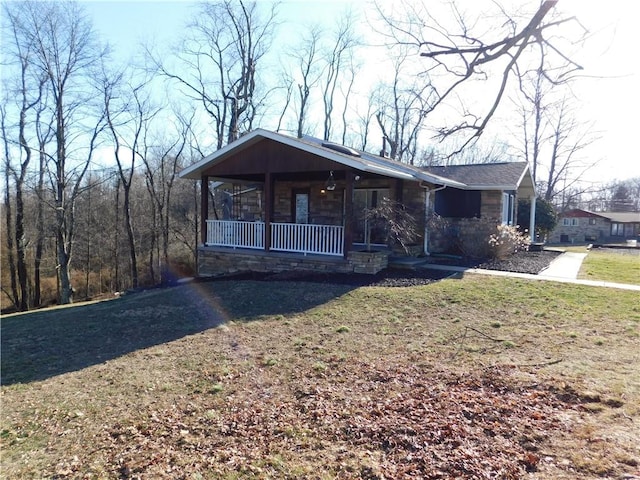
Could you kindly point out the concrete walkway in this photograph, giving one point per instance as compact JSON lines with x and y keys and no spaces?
{"x":565,"y":265}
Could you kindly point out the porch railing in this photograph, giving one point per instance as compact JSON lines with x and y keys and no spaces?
{"x":230,"y":233}
{"x":285,"y":237}
{"x":304,"y":238}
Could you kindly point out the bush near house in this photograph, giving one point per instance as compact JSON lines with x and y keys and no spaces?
{"x":487,"y":239}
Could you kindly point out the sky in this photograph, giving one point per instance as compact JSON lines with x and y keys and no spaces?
{"x":608,"y":95}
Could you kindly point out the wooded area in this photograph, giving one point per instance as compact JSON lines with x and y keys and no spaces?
{"x":77,"y":225}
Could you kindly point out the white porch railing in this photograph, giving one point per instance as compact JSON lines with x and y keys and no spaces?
{"x":304,"y":238}
{"x":230,"y":233}
{"x":285,"y":237}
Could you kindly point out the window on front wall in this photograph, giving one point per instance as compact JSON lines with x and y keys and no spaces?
{"x":592,"y":221}
{"x":508,"y":208}
{"x":570,"y":222}
{"x":617,"y":229}
{"x":454,"y":203}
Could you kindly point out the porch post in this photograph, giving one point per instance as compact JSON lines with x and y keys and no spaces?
{"x":268,"y":205}
{"x":348,"y":212}
{"x":532,"y":218}
{"x":204,"y":207}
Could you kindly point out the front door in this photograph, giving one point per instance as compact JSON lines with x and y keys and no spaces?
{"x":300,"y":206}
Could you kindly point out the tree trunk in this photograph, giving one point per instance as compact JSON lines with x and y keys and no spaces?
{"x":130,"y":236}
{"x":21,"y":261}
{"x":10,"y":247}
{"x":40,"y":233}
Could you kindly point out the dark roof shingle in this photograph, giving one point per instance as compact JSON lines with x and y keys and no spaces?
{"x":482,"y":174}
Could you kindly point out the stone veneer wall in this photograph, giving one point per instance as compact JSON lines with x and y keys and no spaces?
{"x":219,"y":262}
{"x":583,"y":232}
{"x":442,"y":240}
{"x":491,"y":204}
{"x":324,"y":208}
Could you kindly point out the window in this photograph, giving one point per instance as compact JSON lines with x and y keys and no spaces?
{"x":592,"y":221}
{"x":366,"y":231}
{"x":508,"y":208}
{"x":454,"y":203}
{"x":574,"y":222}
{"x":570,"y":222}
{"x":617,"y":229}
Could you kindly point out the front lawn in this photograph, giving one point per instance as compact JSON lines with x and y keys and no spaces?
{"x":478,"y":377}
{"x":612,"y":265}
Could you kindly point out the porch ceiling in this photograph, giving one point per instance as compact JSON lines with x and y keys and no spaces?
{"x":252,"y":158}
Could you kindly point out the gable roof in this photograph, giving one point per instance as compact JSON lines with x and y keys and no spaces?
{"x":509,"y":176}
{"x":622,"y":217}
{"x":485,"y":176}
{"x":618,"y":217}
{"x":580,"y":213}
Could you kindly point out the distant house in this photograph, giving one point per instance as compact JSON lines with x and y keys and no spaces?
{"x":271,"y":202}
{"x":580,"y":226}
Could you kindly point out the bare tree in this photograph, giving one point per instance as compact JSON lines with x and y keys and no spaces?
{"x":560,"y":159}
{"x":8,"y":211}
{"x":460,"y":56}
{"x":364,"y":119}
{"x":306,"y":56}
{"x":128,"y":112}
{"x":533,"y":111}
{"x":218,"y":63}
{"x":343,"y":43}
{"x":44,"y":135}
{"x":402,"y":109}
{"x":66,"y":51}
{"x":161,"y":170}
{"x":28,"y":91}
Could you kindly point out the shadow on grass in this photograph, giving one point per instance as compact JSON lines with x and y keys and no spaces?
{"x":39,"y":345}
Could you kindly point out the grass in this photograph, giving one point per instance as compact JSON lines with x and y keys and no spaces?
{"x":611,"y":266}
{"x":244,"y":380}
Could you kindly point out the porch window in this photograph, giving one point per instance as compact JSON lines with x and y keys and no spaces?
{"x":364,"y":232}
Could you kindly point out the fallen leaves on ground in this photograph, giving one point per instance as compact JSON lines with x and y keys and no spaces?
{"x":358,"y":420}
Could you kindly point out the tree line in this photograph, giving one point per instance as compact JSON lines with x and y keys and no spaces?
{"x":75,"y":223}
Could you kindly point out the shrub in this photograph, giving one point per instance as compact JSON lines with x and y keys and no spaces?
{"x":487,"y":238}
{"x":507,"y":240}
{"x":395,"y":219}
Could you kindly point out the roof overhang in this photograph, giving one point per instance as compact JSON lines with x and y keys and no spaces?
{"x":364,"y":163}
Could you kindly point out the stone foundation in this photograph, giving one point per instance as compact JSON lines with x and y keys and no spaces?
{"x":213,"y":262}
{"x":368,"y":262}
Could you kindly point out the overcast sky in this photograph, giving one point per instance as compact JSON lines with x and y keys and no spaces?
{"x":610,"y":96}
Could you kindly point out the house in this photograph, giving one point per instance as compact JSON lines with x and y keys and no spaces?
{"x":271,"y":202}
{"x":580,"y":226}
